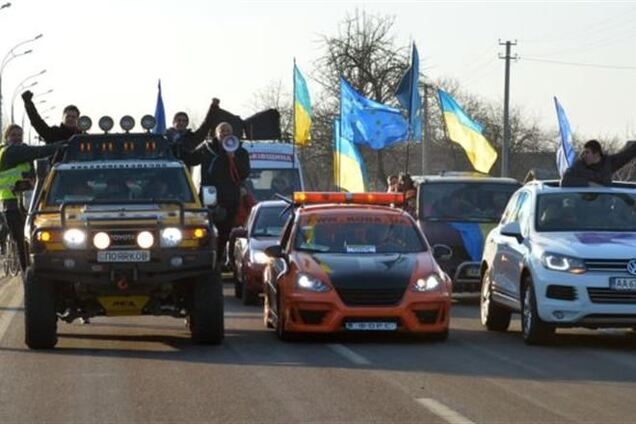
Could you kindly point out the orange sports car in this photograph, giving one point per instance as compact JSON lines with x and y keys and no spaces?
{"x":352,"y":262}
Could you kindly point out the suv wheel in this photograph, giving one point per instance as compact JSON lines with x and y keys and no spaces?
{"x":206,"y":315}
{"x":534,"y":330}
{"x":238,"y":288}
{"x":40,"y":317}
{"x":494,"y":317}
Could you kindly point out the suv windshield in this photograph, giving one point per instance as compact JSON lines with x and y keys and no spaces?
{"x":119,"y":184}
{"x":586,"y":212}
{"x":269,"y":222}
{"x":464,"y":201}
{"x":357,"y":234}
{"x":265,"y":183}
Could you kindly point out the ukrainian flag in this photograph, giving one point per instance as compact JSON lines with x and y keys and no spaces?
{"x":467,"y":133}
{"x":349,"y":170}
{"x":302,"y":109}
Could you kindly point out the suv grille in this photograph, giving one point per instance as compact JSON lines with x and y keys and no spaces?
{"x":600,"y":295}
{"x":370,"y":297}
{"x":555,"y":291}
{"x":606,"y":265}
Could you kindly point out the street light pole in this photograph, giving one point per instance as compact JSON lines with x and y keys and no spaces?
{"x":8,"y":58}
{"x":21,"y":87}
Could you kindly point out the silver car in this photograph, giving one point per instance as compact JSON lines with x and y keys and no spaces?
{"x":562,"y":257}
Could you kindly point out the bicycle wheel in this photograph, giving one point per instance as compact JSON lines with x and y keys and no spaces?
{"x":13,"y":257}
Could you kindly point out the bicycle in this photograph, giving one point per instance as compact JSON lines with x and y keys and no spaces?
{"x":11,"y":262}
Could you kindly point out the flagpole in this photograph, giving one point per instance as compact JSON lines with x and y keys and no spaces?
{"x":294,"y":117}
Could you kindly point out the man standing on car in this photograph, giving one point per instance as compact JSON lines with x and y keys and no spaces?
{"x":16,"y":164}
{"x":226,"y":171}
{"x":182,"y":137}
{"x":64,"y":131}
{"x":595,"y":168}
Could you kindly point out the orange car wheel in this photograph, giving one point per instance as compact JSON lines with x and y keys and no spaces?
{"x":282,"y":334}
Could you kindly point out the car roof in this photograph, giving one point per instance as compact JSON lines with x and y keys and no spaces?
{"x":272,"y":204}
{"x":554,"y":186}
{"x":419,"y":179}
{"x":119,"y":164}
{"x":337,"y":209}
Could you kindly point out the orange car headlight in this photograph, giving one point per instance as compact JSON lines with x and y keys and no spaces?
{"x":427,"y":284}
{"x":309,"y":283}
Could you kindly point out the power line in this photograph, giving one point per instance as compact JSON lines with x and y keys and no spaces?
{"x":589,"y":65}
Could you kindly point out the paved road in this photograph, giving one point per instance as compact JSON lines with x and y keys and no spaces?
{"x":146,"y":370}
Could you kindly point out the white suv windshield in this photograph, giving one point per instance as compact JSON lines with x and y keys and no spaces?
{"x":586,"y":212}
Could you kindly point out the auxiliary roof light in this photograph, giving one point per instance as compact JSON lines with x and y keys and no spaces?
{"x":367,"y":198}
{"x":106,"y":123}
{"x":148,"y":122}
{"x":84,"y":123}
{"x":127,"y":123}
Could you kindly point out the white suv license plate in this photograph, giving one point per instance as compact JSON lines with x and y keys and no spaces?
{"x":623,"y":284}
{"x":371,"y":326}
{"x":123,"y":256}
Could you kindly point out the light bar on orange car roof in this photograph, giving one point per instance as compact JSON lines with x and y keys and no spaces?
{"x":369,"y":198}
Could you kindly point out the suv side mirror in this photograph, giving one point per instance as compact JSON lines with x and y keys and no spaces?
{"x":442,"y":252}
{"x":208,"y":194}
{"x":275,"y":251}
{"x":512,"y":229}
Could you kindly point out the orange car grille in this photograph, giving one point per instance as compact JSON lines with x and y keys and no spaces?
{"x":370,"y":297}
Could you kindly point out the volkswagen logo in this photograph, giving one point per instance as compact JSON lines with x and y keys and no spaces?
{"x":631,"y":267}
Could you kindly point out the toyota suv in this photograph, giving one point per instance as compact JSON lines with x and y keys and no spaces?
{"x":116,"y":228}
{"x":562,"y":257}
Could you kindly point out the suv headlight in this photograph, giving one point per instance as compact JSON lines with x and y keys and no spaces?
{"x":171,"y":237}
{"x":556,"y":262}
{"x":145,"y":239}
{"x":74,"y":238}
{"x":430,"y":283}
{"x":258,"y":257}
{"x":307,"y":282}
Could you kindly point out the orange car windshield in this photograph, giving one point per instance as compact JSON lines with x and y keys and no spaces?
{"x":366,"y":234}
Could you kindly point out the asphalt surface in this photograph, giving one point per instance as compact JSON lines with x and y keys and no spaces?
{"x":123,"y":370}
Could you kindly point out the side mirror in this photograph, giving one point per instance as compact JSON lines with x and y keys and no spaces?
{"x":208,"y":194}
{"x":275,"y":251}
{"x":512,"y":229}
{"x":442,"y":252}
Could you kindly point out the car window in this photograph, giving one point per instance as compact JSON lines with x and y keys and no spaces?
{"x":463,"y":200}
{"x":357,"y":234}
{"x":269,"y":221}
{"x":264,"y":184}
{"x":510,"y":209}
{"x":122,"y":184}
{"x":523,"y":212}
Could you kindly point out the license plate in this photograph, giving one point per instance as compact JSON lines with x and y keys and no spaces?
{"x":474,"y":271}
{"x":371,"y":326}
{"x":623,"y":284}
{"x":123,"y":256}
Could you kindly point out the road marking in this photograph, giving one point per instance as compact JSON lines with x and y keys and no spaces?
{"x":443,"y":411}
{"x":349,"y":354}
{"x":7,"y":316}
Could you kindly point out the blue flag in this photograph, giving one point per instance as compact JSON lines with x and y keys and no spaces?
{"x":160,"y":114}
{"x":565,"y":155}
{"x":408,"y":94}
{"x":364,"y":121}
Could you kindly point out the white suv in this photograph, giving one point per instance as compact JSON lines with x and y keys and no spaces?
{"x":563,"y":257}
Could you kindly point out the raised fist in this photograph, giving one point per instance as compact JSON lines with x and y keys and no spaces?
{"x":215,"y":102}
{"x":27,"y":96}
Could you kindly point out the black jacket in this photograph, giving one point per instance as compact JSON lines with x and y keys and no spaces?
{"x":48,"y":134}
{"x":188,"y":140}
{"x":215,"y":170}
{"x":581,"y":175}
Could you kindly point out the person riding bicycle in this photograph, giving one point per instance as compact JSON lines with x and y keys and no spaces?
{"x":16,"y":164}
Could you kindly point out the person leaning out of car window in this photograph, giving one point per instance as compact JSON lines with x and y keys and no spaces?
{"x":593,"y":167}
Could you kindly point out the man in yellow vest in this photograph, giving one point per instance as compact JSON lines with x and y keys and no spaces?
{"x":15,"y":164}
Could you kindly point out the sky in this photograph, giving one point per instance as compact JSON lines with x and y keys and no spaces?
{"x":107,"y":56}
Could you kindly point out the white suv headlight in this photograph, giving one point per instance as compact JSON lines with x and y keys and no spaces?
{"x":307,"y":282}
{"x":556,"y":262}
{"x":75,"y":238}
{"x":171,"y":237}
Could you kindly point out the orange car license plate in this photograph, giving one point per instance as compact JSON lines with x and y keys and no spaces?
{"x":371,"y":326}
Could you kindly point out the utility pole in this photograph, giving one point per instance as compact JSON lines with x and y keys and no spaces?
{"x":426,"y":143}
{"x":506,"y":137}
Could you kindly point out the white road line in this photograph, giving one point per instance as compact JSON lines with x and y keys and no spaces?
{"x":349,"y":354}
{"x":443,"y":411}
{"x":7,"y":316}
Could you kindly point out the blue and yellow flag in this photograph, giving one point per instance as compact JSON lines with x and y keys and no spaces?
{"x":302,"y":109}
{"x":160,"y":113}
{"x":348,"y":166}
{"x":467,"y":133}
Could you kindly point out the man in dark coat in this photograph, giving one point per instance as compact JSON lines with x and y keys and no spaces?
{"x":182,"y":137}
{"x":595,"y":168}
{"x":64,"y":131}
{"x":225,"y":171}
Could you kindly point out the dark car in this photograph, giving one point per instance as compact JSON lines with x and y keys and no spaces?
{"x":456,"y":213}
{"x":263,"y":229}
